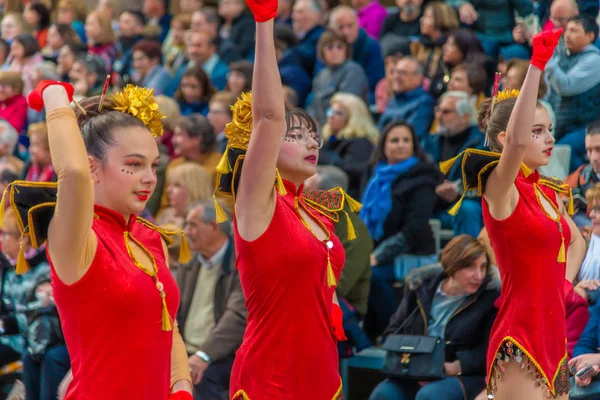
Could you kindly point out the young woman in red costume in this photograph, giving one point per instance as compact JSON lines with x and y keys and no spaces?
{"x":535,"y":241}
{"x":288,"y":256}
{"x":114,"y":292}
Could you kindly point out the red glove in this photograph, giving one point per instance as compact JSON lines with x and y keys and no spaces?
{"x":35,"y":99}
{"x":543,"y":47}
{"x":337,"y":318}
{"x":263,"y":10}
{"x":181,"y":395}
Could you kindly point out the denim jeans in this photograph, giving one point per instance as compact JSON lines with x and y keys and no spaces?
{"x":468,"y":219}
{"x":215,"y":381}
{"x":447,"y":389}
{"x":42,"y":378}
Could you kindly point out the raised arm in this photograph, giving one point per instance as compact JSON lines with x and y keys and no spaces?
{"x":70,"y":241}
{"x":499,"y":191}
{"x":255,"y":200}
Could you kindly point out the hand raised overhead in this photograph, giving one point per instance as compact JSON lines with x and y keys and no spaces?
{"x":544,"y":44}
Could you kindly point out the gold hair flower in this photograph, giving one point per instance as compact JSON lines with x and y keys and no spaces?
{"x":239,"y":129}
{"x":507,"y":94}
{"x":140,"y":103}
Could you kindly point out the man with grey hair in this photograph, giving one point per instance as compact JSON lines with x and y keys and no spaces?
{"x":410,"y":102}
{"x":9,"y":138}
{"x":457,"y":131}
{"x":306,"y":21}
{"x":212,"y":314}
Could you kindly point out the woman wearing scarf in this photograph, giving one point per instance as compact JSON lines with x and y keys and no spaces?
{"x":398,"y":202}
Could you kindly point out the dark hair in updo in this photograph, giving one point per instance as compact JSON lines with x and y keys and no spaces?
{"x":97,"y":127}
{"x":496,"y":122}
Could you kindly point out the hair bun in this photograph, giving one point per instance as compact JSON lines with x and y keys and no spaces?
{"x":91,"y":105}
{"x":485,"y":112}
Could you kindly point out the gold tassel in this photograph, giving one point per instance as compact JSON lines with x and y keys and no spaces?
{"x":166,"y":318}
{"x":223,"y":166}
{"x":355,"y":206}
{"x":185,"y":255}
{"x":221,"y":216}
{"x":280,"y":185}
{"x":570,"y":206}
{"x":4,"y":194}
{"x":331,"y":282}
{"x":351,"y":231}
{"x":456,"y":207}
{"x":22,"y":266}
{"x":561,"y":252}
{"x":446,"y":165}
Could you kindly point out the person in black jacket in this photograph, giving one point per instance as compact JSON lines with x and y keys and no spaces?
{"x":236,"y":33}
{"x":398,"y":202}
{"x":453,"y":300}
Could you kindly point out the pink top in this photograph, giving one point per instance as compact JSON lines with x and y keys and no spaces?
{"x":371,"y":17}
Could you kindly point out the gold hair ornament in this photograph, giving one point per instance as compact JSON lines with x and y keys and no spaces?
{"x":140,"y":103}
{"x":506,"y":94}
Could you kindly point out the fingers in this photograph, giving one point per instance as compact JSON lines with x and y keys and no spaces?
{"x":573,"y":361}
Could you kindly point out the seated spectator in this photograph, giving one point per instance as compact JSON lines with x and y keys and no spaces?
{"x":290,"y":97}
{"x":586,"y":176}
{"x":24,"y":56}
{"x":437,"y":22}
{"x":170,"y":109}
{"x":239,"y":78}
{"x":174,"y":48}
{"x":219,"y":115}
{"x":306,"y":20}
{"x":131,"y":30}
{"x":560,"y":13}
{"x":149,"y":72}
{"x":87,"y":75}
{"x":404,"y":23}
{"x":371,"y":15}
{"x":353,"y":286}
{"x":350,"y":136}
{"x":398,"y":203}
{"x":195,"y":141}
{"x":206,"y":20}
{"x":37,"y":16}
{"x":590,"y":267}
{"x":457,"y":131}
{"x":393,"y":53}
{"x":194,"y":92}
{"x":575,"y":85}
{"x":340,"y":74}
{"x":459,"y":293}
{"x":66,"y":58}
{"x":6,"y":177}
{"x":13,"y":105}
{"x":58,"y":36}
{"x":43,"y":71}
{"x":515,"y":76}
{"x":100,"y":38}
{"x":493,"y":21}
{"x":212,"y":315}
{"x":366,"y":51}
{"x":284,"y":12}
{"x":201,"y":50}
{"x":471,"y":79}
{"x":12,"y":25}
{"x":290,"y":69}
{"x":44,"y":354}
{"x":39,"y":168}
{"x":158,"y":17}
{"x":187,"y":183}
{"x":189,"y":6}
{"x":462,"y":46}
{"x":4,"y":51}
{"x":108,"y":8}
{"x":9,"y":138}
{"x":236,"y":33}
{"x":410,"y":102}
{"x":72,"y":12}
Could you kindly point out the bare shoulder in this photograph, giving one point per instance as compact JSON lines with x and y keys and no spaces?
{"x":502,"y":207}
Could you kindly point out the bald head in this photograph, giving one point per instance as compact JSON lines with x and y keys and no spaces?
{"x":344,"y":21}
{"x":561,"y":11}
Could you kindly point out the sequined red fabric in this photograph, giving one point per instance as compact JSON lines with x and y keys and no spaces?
{"x":532,"y":310}
{"x":288,"y":351}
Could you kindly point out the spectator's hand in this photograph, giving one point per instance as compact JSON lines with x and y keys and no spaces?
{"x":197,"y":368}
{"x":591,"y":284}
{"x":263,"y":10}
{"x":44,"y":294}
{"x":580,"y":362}
{"x":453,"y":368}
{"x":543,"y":47}
{"x":519,"y":35}
{"x":35,"y":98}
{"x":64,"y":385}
{"x":447,"y":191}
{"x":467,"y":13}
{"x":586,"y":231}
{"x":373,"y":260}
{"x":81,"y":87}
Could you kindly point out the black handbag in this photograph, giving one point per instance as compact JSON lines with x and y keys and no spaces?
{"x":413,"y":356}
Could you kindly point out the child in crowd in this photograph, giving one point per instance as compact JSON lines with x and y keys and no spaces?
{"x":13,"y":105}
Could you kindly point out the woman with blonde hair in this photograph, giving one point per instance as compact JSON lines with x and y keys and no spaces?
{"x":187,"y":183}
{"x":73,"y":13}
{"x":101,"y":37}
{"x":350,"y":135}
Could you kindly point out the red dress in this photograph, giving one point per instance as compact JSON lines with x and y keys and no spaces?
{"x":111,"y":317}
{"x":288,"y":351}
{"x":531,"y":320}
